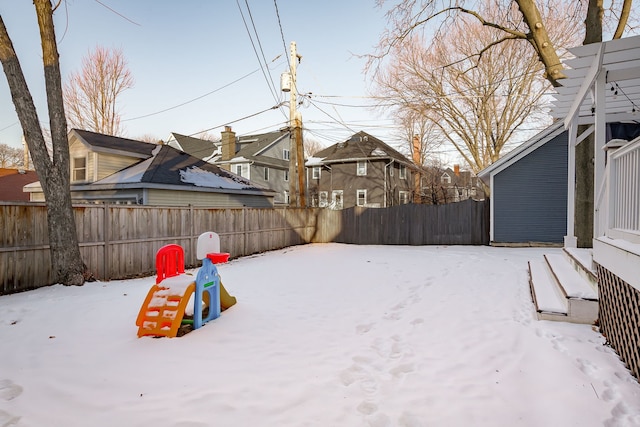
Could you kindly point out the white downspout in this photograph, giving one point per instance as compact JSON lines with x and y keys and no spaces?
{"x":384,"y":198}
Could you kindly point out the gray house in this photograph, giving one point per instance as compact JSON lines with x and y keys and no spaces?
{"x":361,"y":171}
{"x":529,"y":190}
{"x":261,"y":158}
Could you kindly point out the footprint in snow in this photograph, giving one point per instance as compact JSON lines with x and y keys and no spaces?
{"x":364,"y":328}
{"x":9,"y":390}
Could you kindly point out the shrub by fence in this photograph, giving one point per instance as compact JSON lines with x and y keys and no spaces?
{"x":120,"y":241}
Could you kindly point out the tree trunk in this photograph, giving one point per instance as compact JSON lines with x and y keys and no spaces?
{"x":584,"y":197}
{"x":66,"y":262}
{"x":593,"y":22}
{"x":583,"y":225}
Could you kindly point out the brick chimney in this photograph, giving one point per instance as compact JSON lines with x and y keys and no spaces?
{"x":228,"y":138}
{"x":456,"y":170}
{"x":415,"y":153}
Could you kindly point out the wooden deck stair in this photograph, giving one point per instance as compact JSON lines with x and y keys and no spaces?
{"x":564,"y":286}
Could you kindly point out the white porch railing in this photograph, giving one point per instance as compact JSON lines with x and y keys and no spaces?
{"x":618,"y":202}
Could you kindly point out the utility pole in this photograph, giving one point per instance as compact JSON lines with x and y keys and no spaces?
{"x":296,"y":148}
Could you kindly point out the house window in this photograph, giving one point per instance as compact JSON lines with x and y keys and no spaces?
{"x":239,"y":170}
{"x":472,"y":191}
{"x":361,"y":168}
{"x":404,"y":197}
{"x":316,"y":172}
{"x":285,"y":154}
{"x":391,"y":170}
{"x":361,"y":197}
{"x":286,"y":197}
{"x":445,"y":179}
{"x":286,"y":174}
{"x":336,"y":199}
{"x":324,"y":199}
{"x":403,"y":172}
{"x":79,"y":171}
{"x":266,"y":174}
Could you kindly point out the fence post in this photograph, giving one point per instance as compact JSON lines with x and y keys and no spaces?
{"x":106,"y":230}
{"x":244,"y":231}
{"x":192,"y":236}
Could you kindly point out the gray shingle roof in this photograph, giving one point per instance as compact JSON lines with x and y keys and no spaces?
{"x":253,"y":145}
{"x":115,"y":143}
{"x":360,"y":146}
{"x":168,"y":167}
{"x":200,"y":148}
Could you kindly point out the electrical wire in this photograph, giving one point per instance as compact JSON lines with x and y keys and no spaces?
{"x":117,"y":13}
{"x":284,"y":43}
{"x":255,"y":50}
{"x":238,"y":120}
{"x":194,"y":99}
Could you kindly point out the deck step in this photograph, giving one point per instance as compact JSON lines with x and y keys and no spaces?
{"x":546,"y":294}
{"x":582,"y":261}
{"x":573,"y":284}
{"x":559,"y":292}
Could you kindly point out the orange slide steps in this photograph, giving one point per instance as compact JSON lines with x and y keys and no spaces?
{"x":163,"y":309}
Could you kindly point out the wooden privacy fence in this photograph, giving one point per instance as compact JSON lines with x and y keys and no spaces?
{"x":120,"y":241}
{"x":462,"y":223}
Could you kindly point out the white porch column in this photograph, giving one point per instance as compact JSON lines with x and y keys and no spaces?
{"x":570,"y":240}
{"x":599,"y":138}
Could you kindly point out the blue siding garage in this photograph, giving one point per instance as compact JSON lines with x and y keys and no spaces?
{"x":529,"y":190}
{"x":530,"y":196}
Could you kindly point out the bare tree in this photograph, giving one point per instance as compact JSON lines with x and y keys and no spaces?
{"x":53,"y":171}
{"x":532,"y":26}
{"x":312,"y":146}
{"x":475,"y":102}
{"x":206,"y":136}
{"x":418,"y":131}
{"x":151,"y":139}
{"x":90,"y":95}
{"x":10,"y":157}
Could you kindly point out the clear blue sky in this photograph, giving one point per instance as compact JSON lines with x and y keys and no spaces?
{"x":181,"y":50}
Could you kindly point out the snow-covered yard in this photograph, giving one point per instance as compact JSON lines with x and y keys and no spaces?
{"x":322,"y":335}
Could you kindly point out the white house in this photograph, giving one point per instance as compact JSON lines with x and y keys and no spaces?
{"x":603,"y":85}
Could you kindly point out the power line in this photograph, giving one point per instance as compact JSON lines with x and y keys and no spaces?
{"x":284,"y":43}
{"x":194,"y":99}
{"x":246,"y":26}
{"x":117,"y":13}
{"x":238,"y":120}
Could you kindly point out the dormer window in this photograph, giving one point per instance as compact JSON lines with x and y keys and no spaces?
{"x":402,"y":173}
{"x":445,"y":179}
{"x":79,"y":169}
{"x":315,"y":172}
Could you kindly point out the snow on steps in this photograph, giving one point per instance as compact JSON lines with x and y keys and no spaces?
{"x":560,"y":292}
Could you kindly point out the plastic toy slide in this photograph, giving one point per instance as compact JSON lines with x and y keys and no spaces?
{"x":163,"y":309}
{"x":226,"y":300}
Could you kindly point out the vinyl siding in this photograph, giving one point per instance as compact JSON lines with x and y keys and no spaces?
{"x":197,"y":198}
{"x":109,"y":164}
{"x":77,"y":150}
{"x":530,"y":196}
